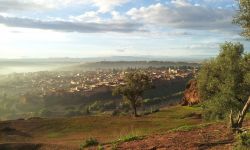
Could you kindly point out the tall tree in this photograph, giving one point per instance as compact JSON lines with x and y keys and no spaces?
{"x":223,"y":81}
{"x":243,"y":17}
{"x":136,"y":83}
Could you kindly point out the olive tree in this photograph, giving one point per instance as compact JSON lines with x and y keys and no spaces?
{"x":136,"y":83}
{"x":243,"y":17}
{"x":224,"y":83}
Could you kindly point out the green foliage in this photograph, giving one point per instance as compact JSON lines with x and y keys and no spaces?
{"x":223,"y":81}
{"x":129,"y":138}
{"x":243,"y":17}
{"x":100,"y":147}
{"x":243,"y":141}
{"x":136,"y":83}
{"x":89,"y":142}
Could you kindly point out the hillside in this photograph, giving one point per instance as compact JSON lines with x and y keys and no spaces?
{"x":169,"y":128}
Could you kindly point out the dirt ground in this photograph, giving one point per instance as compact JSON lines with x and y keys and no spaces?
{"x":212,"y":137}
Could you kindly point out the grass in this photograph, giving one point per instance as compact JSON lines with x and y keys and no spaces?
{"x":107,"y":128}
{"x":89,"y":142}
{"x":190,"y":127}
{"x":130,"y":137}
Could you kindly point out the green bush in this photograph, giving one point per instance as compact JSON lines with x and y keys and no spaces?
{"x":89,"y":142}
{"x":243,"y":141}
{"x":129,"y":138}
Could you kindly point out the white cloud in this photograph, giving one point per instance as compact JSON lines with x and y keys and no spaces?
{"x":71,"y":26}
{"x":184,"y":15}
{"x":103,"y":6}
{"x":180,"y":3}
{"x":90,"y":16}
{"x":108,"y":5}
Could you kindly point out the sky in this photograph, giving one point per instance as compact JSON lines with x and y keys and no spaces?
{"x":103,"y":28}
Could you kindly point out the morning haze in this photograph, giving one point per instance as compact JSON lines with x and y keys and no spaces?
{"x":124,"y":74}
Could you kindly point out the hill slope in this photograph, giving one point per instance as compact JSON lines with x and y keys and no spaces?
{"x":175,"y":127}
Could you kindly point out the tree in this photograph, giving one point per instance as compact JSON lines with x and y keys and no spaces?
{"x":136,"y":83}
{"x":224,"y":83}
{"x":243,"y":17}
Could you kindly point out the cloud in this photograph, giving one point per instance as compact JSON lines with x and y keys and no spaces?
{"x":103,"y":6}
{"x":108,"y":5}
{"x":70,"y":26}
{"x":90,"y":16}
{"x":180,"y":14}
{"x":13,"y":5}
{"x":176,"y":14}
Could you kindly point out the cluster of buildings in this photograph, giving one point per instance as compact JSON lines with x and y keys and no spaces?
{"x":52,"y":82}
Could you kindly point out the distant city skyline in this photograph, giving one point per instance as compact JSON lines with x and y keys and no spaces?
{"x":106,"y":28}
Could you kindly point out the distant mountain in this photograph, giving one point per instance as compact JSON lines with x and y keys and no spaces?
{"x":192,"y":58}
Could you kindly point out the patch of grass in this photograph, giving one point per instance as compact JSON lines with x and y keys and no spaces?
{"x":189,"y":127}
{"x":89,"y":142}
{"x":129,"y":138}
{"x":100,"y":147}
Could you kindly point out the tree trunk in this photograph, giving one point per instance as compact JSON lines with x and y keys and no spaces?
{"x":243,"y":113}
{"x":135,"y":111}
{"x":238,"y":124}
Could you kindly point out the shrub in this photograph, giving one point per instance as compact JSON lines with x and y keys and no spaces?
{"x":89,"y":142}
{"x":129,"y":138}
{"x":243,"y":141}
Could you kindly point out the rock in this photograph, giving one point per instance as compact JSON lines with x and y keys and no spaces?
{"x":191,"y":95}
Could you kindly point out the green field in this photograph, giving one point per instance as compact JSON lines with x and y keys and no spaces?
{"x":104,"y":128}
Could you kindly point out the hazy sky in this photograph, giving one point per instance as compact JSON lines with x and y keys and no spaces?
{"x":92,"y":28}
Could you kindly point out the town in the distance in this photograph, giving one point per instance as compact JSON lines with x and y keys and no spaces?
{"x":77,"y":91}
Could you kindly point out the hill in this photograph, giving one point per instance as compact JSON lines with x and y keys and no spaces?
{"x":172,"y":127}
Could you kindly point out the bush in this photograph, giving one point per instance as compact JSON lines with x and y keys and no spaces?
{"x":243,"y":141}
{"x":89,"y":142}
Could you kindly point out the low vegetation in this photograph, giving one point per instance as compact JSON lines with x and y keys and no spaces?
{"x":89,"y":142}
{"x":130,"y":137}
{"x":243,"y":141}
